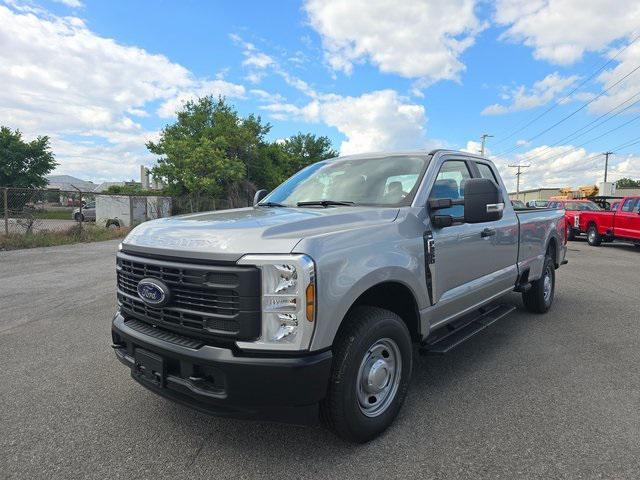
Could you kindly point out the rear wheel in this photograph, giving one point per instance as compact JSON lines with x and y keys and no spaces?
{"x":370,"y":374}
{"x":593,"y":237}
{"x":79,"y":217}
{"x":539,"y":297}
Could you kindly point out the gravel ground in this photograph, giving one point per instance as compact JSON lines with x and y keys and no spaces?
{"x":553,"y":396}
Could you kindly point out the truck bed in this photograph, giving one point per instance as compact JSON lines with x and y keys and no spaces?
{"x":536,"y":226}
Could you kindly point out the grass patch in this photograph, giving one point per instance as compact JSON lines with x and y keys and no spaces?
{"x":53,"y":214}
{"x":74,"y":234}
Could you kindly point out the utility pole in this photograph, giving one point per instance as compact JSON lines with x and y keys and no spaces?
{"x":484,"y":139}
{"x":606,"y":163}
{"x":519,"y":167}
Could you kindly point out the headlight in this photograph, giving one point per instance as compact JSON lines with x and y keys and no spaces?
{"x":288,"y":301}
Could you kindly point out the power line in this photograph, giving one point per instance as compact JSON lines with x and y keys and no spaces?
{"x":575,"y":134}
{"x":566,"y":117}
{"x":554,"y":157}
{"x":616,"y":149}
{"x":559,"y":102}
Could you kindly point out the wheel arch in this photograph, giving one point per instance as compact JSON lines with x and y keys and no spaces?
{"x":391,"y":295}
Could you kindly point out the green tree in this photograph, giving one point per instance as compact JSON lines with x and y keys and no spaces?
{"x":627,"y":183}
{"x":303,"y":149}
{"x":207,"y":149}
{"x":24,"y":164}
{"x":213,"y":152}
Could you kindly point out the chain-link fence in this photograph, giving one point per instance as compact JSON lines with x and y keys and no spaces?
{"x":31,"y":211}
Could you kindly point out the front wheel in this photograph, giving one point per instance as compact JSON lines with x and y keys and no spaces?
{"x":539,"y":297}
{"x":571,"y":234}
{"x":370,"y":375}
{"x":593,"y":237}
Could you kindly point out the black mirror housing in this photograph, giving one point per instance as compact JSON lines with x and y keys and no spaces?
{"x":257,"y":198}
{"x":482,"y":201}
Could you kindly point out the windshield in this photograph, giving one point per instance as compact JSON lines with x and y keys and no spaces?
{"x":388,"y":181}
{"x":581,"y":206}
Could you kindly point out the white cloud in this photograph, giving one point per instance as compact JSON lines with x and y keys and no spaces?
{"x":58,"y":78}
{"x":200,"y":89}
{"x":473,"y":147}
{"x":258,"y":60}
{"x":379,"y":120}
{"x":561,"y":31}
{"x":542,"y":92}
{"x":565,"y":166}
{"x":628,"y":60}
{"x":70,"y":3}
{"x":413,"y":38}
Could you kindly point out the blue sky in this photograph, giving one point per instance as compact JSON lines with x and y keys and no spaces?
{"x":101,"y":78}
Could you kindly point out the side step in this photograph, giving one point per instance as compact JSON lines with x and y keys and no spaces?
{"x":450,"y":336}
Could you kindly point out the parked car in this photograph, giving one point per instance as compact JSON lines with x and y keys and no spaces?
{"x":310,"y":300}
{"x":571,"y":208}
{"x":620,"y":224}
{"x":538,"y":203}
{"x":88,"y":213}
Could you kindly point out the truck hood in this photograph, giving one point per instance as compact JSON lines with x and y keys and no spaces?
{"x":229,"y":234}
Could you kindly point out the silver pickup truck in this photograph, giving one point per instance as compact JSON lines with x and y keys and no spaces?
{"x":308,"y":304}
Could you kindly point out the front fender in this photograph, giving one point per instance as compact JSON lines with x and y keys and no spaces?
{"x":348,"y":263}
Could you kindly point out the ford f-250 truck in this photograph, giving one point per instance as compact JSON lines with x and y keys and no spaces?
{"x":623,"y":223}
{"x":308,"y":304}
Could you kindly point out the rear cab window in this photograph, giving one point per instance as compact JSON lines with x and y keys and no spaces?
{"x":486,"y":171}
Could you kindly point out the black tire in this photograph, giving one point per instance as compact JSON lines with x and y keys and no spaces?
{"x":593,"y":237}
{"x":342,"y":410}
{"x":571,"y":234}
{"x":78,"y":217}
{"x":537,"y":299}
{"x":113,"y":224}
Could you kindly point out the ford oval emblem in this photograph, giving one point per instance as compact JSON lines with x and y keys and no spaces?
{"x":153,"y":292}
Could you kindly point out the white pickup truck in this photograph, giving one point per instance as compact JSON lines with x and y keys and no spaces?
{"x":309,"y":303}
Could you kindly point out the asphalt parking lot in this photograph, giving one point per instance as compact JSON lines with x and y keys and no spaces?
{"x":554,"y":396}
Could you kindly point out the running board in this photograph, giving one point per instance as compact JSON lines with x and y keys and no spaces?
{"x":464,"y":329}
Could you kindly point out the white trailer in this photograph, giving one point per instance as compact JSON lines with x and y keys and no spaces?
{"x":119,"y":210}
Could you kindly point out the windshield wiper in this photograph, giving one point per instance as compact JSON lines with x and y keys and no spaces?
{"x":324,"y":203}
{"x":271,"y":204}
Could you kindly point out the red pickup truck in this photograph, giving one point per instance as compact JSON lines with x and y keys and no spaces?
{"x":623,"y":223}
{"x":572,"y":208}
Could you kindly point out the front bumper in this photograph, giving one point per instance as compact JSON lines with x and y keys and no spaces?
{"x":217,"y":381}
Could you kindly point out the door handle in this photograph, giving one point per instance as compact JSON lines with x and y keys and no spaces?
{"x":488,"y":232}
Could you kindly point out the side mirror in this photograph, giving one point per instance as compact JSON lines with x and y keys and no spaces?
{"x":257,"y":198}
{"x":482,"y":201}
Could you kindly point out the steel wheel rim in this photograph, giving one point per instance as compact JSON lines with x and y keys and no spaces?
{"x":378,"y":377}
{"x":592,"y":235}
{"x":547,"y":285}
